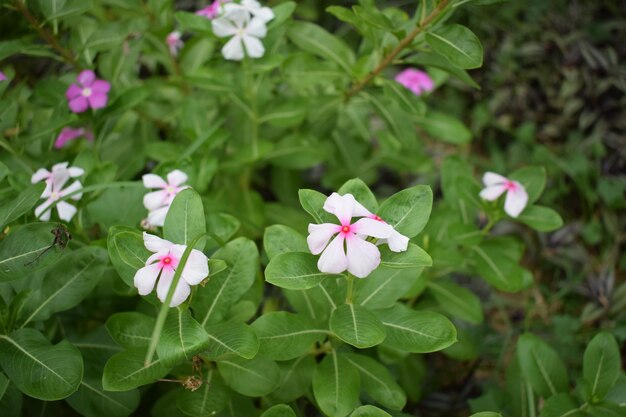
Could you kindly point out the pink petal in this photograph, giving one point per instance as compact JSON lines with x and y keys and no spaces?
{"x":100,"y":86}
{"x":78,"y":104}
{"x":371,"y":227}
{"x":73,"y":91}
{"x":363,"y":257}
{"x":319,"y":235}
{"x":155,"y":244}
{"x":154,"y":200}
{"x":492,"y":192}
{"x":181,"y":292}
{"x":66,"y":210}
{"x":86,"y":78}
{"x":145,"y":278}
{"x":341,"y":206}
{"x":153,"y":181}
{"x":66,"y":135}
{"x":196,"y":268}
{"x":491,"y":178}
{"x":176,"y":177}
{"x":98,"y":100}
{"x":515,"y":201}
{"x":333,"y":259}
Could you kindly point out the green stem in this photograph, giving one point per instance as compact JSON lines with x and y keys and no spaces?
{"x":349,"y":294}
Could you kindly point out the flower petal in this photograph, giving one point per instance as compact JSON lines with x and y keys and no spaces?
{"x":75,"y":171}
{"x":371,"y":227}
{"x":233,"y":50}
{"x":333,"y":259}
{"x":153,"y":181}
{"x":223,"y":27}
{"x":86,"y":78}
{"x":66,"y":210}
{"x":254,"y":47}
{"x":157,"y":217}
{"x":101,"y":86}
{"x":98,"y":100}
{"x":180,"y":294}
{"x":516,"y":201}
{"x":145,"y":278}
{"x":341,"y":206}
{"x":176,"y":177}
{"x":75,"y":186}
{"x":492,"y":192}
{"x":155,"y":244}
{"x":42,"y":211}
{"x":256,"y":27}
{"x":40,"y":175}
{"x":73,"y":91}
{"x":363,"y":257}
{"x":79,"y":104}
{"x":196,"y":268}
{"x":491,"y":178}
{"x":397,"y":242}
{"x":154,"y":200}
{"x":319,"y":235}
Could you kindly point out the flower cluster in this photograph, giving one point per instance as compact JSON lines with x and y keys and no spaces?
{"x":516,"y":195}
{"x":349,"y":250}
{"x":158,"y":202}
{"x":54,"y":191}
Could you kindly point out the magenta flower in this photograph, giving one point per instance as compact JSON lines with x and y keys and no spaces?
{"x":90,"y":92}
{"x":212,"y":10}
{"x":415,"y":80}
{"x":69,"y":133}
{"x":2,"y":76}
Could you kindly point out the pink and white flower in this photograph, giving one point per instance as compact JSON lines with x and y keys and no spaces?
{"x":357,"y":256}
{"x":158,"y":202}
{"x":89,"y":92}
{"x":496,"y":185}
{"x":2,"y":76}
{"x":253,"y":7}
{"x":212,"y":10}
{"x":417,"y":81}
{"x":245,"y":31}
{"x":162,"y":266}
{"x":54,"y":191}
{"x":69,"y":133}
{"x":174,"y":43}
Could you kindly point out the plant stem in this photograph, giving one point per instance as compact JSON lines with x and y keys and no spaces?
{"x":350,"y":289}
{"x":399,"y":48}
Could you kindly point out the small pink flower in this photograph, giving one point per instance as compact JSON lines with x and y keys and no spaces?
{"x":90,"y":92}
{"x":415,"y":80}
{"x":496,"y":185}
{"x":212,"y":10}
{"x":174,"y":43}
{"x":68,"y":134}
{"x":158,"y":202}
{"x":55,"y":180}
{"x":2,"y":76}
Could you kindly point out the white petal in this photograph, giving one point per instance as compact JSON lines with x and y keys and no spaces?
{"x":363,"y":256}
{"x":155,"y":199}
{"x":75,"y":186}
{"x":196,"y":268}
{"x":42,"y":211}
{"x":397,"y":242}
{"x":155,"y":257}
{"x":371,"y":227}
{"x":491,"y":178}
{"x":223,"y":27}
{"x":256,"y":28}
{"x":157,"y":217}
{"x":341,"y":206}
{"x":59,"y":178}
{"x":155,"y":244}
{"x":180,"y":294}
{"x":319,"y":235}
{"x":145,"y":278}
{"x":254,"y":47}
{"x":40,"y":175}
{"x":492,"y":192}
{"x":176,"y":177}
{"x":516,"y":201}
{"x":333,"y":259}
{"x":264,"y":13}
{"x":75,"y":171}
{"x":66,"y":210}
{"x":153,"y":181}
{"x":233,"y":50}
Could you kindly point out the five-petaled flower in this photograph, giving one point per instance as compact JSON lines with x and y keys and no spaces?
{"x":415,"y":80}
{"x":89,"y":92}
{"x":359,"y":256}
{"x":174,"y":43}
{"x":158,"y":202}
{"x":69,"y":133}
{"x":496,"y":185}
{"x":54,"y":191}
{"x":246,"y":31}
{"x":162,"y":265}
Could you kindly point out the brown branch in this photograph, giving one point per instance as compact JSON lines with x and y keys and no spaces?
{"x":399,"y":48}
{"x":45,"y":34}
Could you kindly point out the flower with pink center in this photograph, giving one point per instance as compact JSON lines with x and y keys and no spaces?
{"x":174,"y":43}
{"x":89,"y":92}
{"x":212,"y":10}
{"x":158,"y":202}
{"x":496,"y":185}
{"x":54,"y":191}
{"x":246,"y":34}
{"x":162,"y":266}
{"x":69,"y":133}
{"x":417,"y":81}
{"x":348,"y":250}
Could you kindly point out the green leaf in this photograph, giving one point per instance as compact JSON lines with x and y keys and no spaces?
{"x":357,"y":326}
{"x":295,"y":378}
{"x":413,"y":257}
{"x":10,"y":398}
{"x":213,"y":301}
{"x":11,"y":210}
{"x":192,"y":22}
{"x":561,"y":405}
{"x":127,"y":252}
{"x":416,"y":331}
{"x":601,"y":364}
{"x":541,"y":366}
{"x":231,"y":338}
{"x":361,"y":193}
{"x":182,"y":337}
{"x":283,"y":336}
{"x":27,"y":249}
{"x":130,"y":329}
{"x":211,"y":398}
{"x":374,"y":17}
{"x":313,"y":202}
{"x":285,"y":113}
{"x":541,"y":218}
{"x":408,"y":210}
{"x":4,"y":171}
{"x":533,"y":178}
{"x":497,"y":268}
{"x":38,"y":368}
{"x":185,"y":219}
{"x":92,"y":401}
{"x":458,"y":44}
{"x":254,"y":378}
{"x":432,"y":59}
{"x":486,"y":414}
{"x":126,"y":370}
{"x":369,"y":411}
{"x":66,"y":8}
{"x":384,"y":286}
{"x":295,"y":271}
{"x":66,"y":284}
{"x":444,"y":127}
{"x":312,"y":38}
{"x":457,"y":301}
{"x":336,"y":386}
{"x":280,"y":410}
{"x":377,"y":381}
{"x":282,"y":239}
{"x":604,"y":410}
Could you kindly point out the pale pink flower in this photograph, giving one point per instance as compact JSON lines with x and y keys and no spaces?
{"x":2,"y":76}
{"x":212,"y":10}
{"x":54,"y":191}
{"x":174,"y":43}
{"x":359,"y":256}
{"x":89,"y":92}
{"x":68,"y":134}
{"x":245,"y":31}
{"x":496,"y":185}
{"x":158,"y":202}
{"x":162,"y":265}
{"x":415,"y":80}
{"x":253,"y":7}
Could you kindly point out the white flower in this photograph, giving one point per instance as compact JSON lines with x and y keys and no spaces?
{"x":174,"y":43}
{"x":162,"y":266}
{"x":158,"y":202}
{"x":252,"y":7}
{"x":359,"y":257}
{"x":516,"y":197}
{"x":55,"y":180}
{"x":245,"y":32}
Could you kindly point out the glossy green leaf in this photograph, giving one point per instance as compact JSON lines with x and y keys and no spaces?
{"x":541,"y":366}
{"x":231,"y":339}
{"x":601,"y":364}
{"x":91,"y":400}
{"x":254,"y":378}
{"x":540,"y":218}
{"x":384,"y":286}
{"x":130,"y":329}
{"x":377,"y":381}
{"x":457,"y":301}
{"x":336,"y":386}
{"x":185,"y":219}
{"x":408,"y":210}
{"x":182,"y":337}
{"x":295,"y":271}
{"x":312,"y":38}
{"x":295,"y":378}
{"x":127,"y":252}
{"x":280,"y":410}
{"x":458,"y":44}
{"x":357,"y":326}
{"x":126,"y":370}
{"x":283,"y":336}
{"x":22,"y":204}
{"x":369,"y":411}
{"x":413,"y":257}
{"x":361,"y":193}
{"x":281,"y":239}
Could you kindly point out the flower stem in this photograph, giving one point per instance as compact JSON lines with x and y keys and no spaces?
{"x":406,"y":41}
{"x":349,"y":294}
